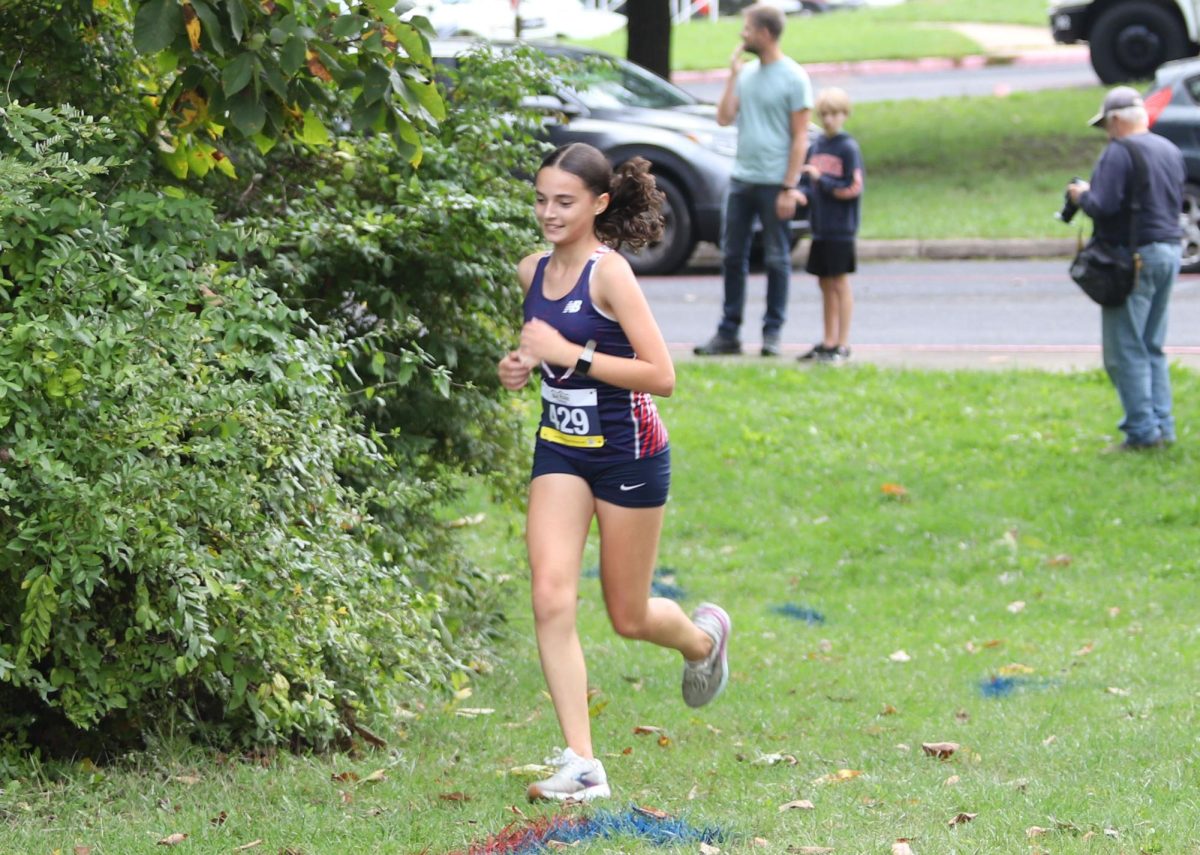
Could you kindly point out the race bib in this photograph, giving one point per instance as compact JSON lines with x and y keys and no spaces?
{"x":570,"y":417}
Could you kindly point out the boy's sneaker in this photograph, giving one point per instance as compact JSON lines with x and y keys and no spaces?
{"x":718,"y":345}
{"x":834,"y":355}
{"x":577,"y":779}
{"x":818,"y":350}
{"x":705,"y":679}
{"x":770,"y":345}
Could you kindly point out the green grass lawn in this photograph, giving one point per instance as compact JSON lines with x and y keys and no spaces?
{"x":967,"y":519}
{"x":988,"y":167}
{"x":897,"y":32}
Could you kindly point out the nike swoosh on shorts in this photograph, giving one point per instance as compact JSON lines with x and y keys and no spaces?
{"x":625,"y":488}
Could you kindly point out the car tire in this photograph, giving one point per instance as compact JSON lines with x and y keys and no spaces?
{"x":1130,"y":40}
{"x":678,"y":239}
{"x":1190,"y":261}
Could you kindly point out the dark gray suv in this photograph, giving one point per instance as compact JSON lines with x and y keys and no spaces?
{"x":626,"y":111}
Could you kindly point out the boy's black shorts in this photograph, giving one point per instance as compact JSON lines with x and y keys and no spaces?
{"x":831,"y":257}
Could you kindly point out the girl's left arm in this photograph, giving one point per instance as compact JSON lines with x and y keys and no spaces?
{"x":616,"y":291}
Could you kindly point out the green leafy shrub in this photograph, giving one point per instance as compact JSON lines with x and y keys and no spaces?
{"x":177,"y":541}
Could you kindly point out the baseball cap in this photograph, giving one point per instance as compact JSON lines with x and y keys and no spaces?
{"x":1117,"y":98}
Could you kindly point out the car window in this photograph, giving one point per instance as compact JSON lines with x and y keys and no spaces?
{"x":1193,"y":88}
{"x":604,"y":84}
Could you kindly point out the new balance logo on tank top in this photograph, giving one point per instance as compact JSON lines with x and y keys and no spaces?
{"x":581,"y":416}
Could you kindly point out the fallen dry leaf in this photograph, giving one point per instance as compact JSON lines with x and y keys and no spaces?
{"x":1085,"y":650}
{"x":652,"y":811}
{"x":82,"y":850}
{"x":798,"y":804}
{"x":173,"y":839}
{"x":1015,"y":669}
{"x":940,"y":750}
{"x":693,"y":792}
{"x":1113,"y":833}
{"x":664,"y":741}
{"x":901,"y":847}
{"x":1016,"y":606}
{"x":888,"y":709}
{"x":516,"y":810}
{"x":220,"y":818}
{"x":1121,"y":693}
{"x":473,"y":712}
{"x":643,"y":729}
{"x":810,"y":850}
{"x":1049,"y":740}
{"x":531,"y":770}
{"x":346,"y":797}
{"x":961,"y":819}
{"x":245,"y":846}
{"x":951,"y":781}
{"x":838,"y":776}
{"x":894,"y":490}
{"x":760,"y":841}
{"x":1036,"y":831}
{"x":1060,"y":560}
{"x":375,"y":777}
{"x":344,"y":777}
{"x":456,"y":796}
{"x":708,"y":849}
{"x":187,"y":780}
{"x":900,"y":656}
{"x":1113,"y":611}
{"x":962,"y":716}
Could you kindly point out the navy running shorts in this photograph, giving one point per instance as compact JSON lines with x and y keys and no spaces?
{"x":830,"y":257}
{"x":642,"y":483}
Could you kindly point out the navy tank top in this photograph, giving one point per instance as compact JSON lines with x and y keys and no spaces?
{"x":581,"y":416}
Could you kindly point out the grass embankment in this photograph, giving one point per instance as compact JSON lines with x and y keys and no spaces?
{"x":966,"y":519}
{"x":910,"y":30}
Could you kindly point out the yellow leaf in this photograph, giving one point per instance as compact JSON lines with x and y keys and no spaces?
{"x":799,"y":804}
{"x":1015,"y":669}
{"x":375,"y":777}
{"x":191,"y":23}
{"x":173,"y":839}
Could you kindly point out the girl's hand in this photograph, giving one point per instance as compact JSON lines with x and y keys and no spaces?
{"x":541,"y":342}
{"x":514,"y":370}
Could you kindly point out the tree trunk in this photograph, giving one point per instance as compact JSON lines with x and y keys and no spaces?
{"x":649,"y":30}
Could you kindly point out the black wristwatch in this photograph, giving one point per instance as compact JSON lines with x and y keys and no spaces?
{"x":786,"y":187}
{"x":584,"y":364}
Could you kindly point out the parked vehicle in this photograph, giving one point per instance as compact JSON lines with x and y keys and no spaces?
{"x":1128,"y":39}
{"x":1173,"y":105}
{"x":497,"y":19}
{"x":626,"y":111}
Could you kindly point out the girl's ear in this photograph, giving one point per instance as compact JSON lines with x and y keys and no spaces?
{"x":602,"y":203}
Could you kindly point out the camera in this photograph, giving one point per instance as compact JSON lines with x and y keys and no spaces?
{"x":1069,"y":208}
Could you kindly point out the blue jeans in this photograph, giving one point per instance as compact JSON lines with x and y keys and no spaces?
{"x":743,"y":203}
{"x":1133,"y":337}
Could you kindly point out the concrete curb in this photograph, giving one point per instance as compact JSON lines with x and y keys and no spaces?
{"x":708,"y":255}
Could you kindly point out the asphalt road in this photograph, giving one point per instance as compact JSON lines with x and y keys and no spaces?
{"x":929,"y":314}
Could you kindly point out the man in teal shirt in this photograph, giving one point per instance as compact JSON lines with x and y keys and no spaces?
{"x":771,"y":101}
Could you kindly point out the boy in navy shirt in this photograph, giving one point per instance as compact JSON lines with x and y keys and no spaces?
{"x":832,"y":184}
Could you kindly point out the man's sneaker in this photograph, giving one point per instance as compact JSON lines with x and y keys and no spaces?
{"x":577,"y":779}
{"x":834,"y":355}
{"x":705,"y":679}
{"x":718,"y":345}
{"x":770,"y":345}
{"x":818,"y":350}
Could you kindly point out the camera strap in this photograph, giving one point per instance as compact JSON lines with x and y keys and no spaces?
{"x":1139,"y":182}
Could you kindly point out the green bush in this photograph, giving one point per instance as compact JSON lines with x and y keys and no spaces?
{"x":177,"y":542}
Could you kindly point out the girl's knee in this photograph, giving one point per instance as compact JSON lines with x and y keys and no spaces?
{"x":628,"y":623}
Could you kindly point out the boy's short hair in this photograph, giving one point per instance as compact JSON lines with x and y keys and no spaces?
{"x":766,"y":17}
{"x":833,"y":99}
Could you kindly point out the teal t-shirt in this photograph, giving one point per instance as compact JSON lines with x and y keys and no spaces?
{"x":767,"y":97}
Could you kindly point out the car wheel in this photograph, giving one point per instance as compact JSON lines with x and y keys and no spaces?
{"x":1130,"y":40}
{"x":1190,"y":218}
{"x":668,"y":254}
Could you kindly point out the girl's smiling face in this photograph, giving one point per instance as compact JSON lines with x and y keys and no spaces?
{"x":565,"y":208}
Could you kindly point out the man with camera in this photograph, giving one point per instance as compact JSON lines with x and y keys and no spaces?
{"x":1134,"y":332}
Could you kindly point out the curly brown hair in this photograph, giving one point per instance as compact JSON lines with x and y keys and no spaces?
{"x":633,"y":217}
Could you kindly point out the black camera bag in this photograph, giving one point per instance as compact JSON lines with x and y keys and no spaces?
{"x":1107,"y":272}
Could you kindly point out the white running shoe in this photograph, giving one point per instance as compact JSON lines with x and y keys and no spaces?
{"x":577,"y":779}
{"x":703,"y":680}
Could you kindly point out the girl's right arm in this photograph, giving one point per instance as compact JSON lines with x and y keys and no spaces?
{"x":515,"y":367}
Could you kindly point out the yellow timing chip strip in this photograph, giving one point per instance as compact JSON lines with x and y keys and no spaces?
{"x":551,"y":435}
